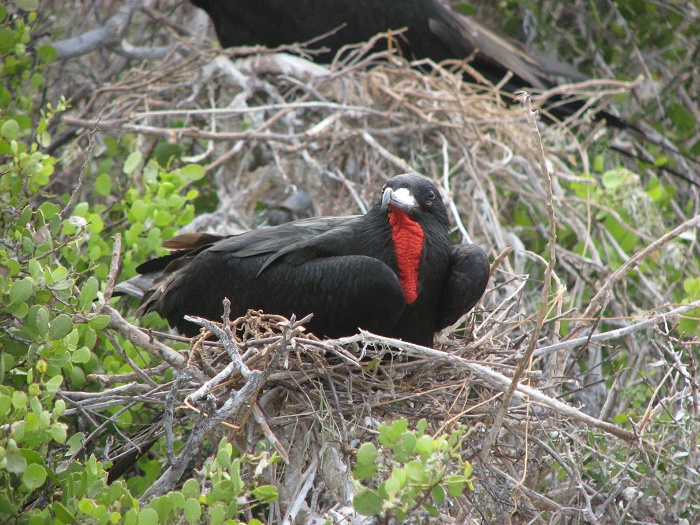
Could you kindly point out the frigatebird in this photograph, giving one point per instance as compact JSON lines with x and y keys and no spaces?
{"x":432,"y":31}
{"x":392,"y":271}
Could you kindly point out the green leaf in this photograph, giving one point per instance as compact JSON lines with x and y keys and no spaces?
{"x":193,"y":510}
{"x":10,"y":129}
{"x":88,"y":291}
{"x":86,"y":506}
{"x":217,"y":514}
{"x":21,"y":290}
{"x":5,"y":404}
{"x":368,"y":503}
{"x":103,"y":185}
{"x":431,"y":510}
{"x":191,"y":489}
{"x":177,"y":500}
{"x":266,"y":493}
{"x":75,"y":443}
{"x":416,"y":471}
{"x":59,"y":273}
{"x":438,"y":494}
{"x":409,"y":442}
{"x":388,"y":435}
{"x":6,"y":506}
{"x":400,"y":475}
{"x":148,"y":516}
{"x":616,"y":178}
{"x":47,"y":54}
{"x":16,"y":464}
{"x":425,"y":445}
{"x":99,"y":322}
{"x":53,"y":384}
{"x":454,"y":484}
{"x":34,"y":476}
{"x":692,"y":287}
{"x":367,"y":454}
{"x":25,"y":216}
{"x":49,"y":210}
{"x":42,"y":322}
{"x":81,"y":355}
{"x":132,"y":161}
{"x":60,"y":327}
{"x":392,"y":486}
{"x":138,"y":211}
{"x":193,"y":172}
{"x":19,"y":399}
{"x":598,"y":163}
{"x":62,"y":513}
{"x":223,"y":456}
{"x":58,"y":432}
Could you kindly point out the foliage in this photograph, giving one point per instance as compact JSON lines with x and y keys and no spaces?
{"x":411,"y":470}
{"x":626,"y":39}
{"x":54,"y":259}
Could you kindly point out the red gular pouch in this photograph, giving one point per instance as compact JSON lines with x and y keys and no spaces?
{"x":408,"y":236}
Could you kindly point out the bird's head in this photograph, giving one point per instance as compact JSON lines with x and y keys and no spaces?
{"x":414,"y":195}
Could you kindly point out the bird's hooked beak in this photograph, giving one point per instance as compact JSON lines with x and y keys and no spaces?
{"x":401,"y":199}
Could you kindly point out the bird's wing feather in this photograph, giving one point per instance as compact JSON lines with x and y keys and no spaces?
{"x":373,"y":299}
{"x":464,"y":36}
{"x":271,"y":240}
{"x":333,"y":241}
{"x":465,"y":284}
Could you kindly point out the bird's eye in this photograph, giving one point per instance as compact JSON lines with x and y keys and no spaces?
{"x":430,"y":194}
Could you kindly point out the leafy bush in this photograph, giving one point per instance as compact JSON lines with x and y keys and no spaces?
{"x":411,"y":470}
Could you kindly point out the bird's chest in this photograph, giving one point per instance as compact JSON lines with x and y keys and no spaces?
{"x":408,"y":241}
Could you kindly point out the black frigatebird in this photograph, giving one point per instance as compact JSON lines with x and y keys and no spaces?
{"x":433,"y":31}
{"x":392,"y":271}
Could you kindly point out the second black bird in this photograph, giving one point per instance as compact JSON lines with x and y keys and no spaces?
{"x":392,"y":271}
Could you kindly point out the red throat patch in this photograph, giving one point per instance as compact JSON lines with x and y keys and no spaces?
{"x":407,"y":235}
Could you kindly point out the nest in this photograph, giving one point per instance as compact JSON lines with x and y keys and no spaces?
{"x":266,"y":126}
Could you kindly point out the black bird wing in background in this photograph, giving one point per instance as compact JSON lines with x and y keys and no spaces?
{"x":433,"y":31}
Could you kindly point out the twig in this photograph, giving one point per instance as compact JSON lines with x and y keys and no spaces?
{"x":615,"y":334}
{"x":107,"y":35}
{"x":495,"y":380}
{"x":603,"y":295}
{"x":137,"y":370}
{"x":140,"y":339}
{"x":254,"y":381}
{"x":261,"y":419}
{"x":544,"y":294}
{"x":81,"y":174}
{"x":114,"y":266}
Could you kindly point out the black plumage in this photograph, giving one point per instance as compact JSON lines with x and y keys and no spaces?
{"x":392,"y":271}
{"x":433,"y":31}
